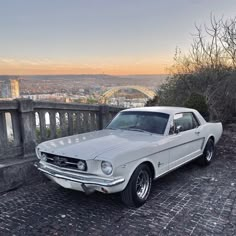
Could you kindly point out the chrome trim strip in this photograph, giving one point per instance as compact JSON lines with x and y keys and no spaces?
{"x":59,"y":168}
{"x":176,"y":167}
{"x":154,"y":153}
{"x":174,"y":147}
{"x":79,"y":178}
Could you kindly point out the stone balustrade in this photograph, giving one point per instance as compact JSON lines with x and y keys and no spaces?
{"x":24,"y":123}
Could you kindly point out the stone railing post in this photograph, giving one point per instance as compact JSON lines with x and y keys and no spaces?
{"x":103,"y":116}
{"x":26,"y":114}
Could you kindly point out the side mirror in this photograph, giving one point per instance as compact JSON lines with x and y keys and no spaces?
{"x":172,"y":130}
{"x":178,"y":129}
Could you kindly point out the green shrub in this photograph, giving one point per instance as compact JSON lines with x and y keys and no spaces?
{"x":198,"y":102}
{"x":152,"y":102}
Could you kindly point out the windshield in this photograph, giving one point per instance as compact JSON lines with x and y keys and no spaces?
{"x":154,"y":122}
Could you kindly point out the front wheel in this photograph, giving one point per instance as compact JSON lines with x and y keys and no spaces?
{"x":138,"y":188}
{"x":208,"y":153}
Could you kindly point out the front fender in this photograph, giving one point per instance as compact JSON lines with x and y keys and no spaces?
{"x":126,"y":170}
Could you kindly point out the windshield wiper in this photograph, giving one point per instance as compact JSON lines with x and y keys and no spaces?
{"x":138,"y":130}
{"x":130,"y":129}
{"x":111,"y":128}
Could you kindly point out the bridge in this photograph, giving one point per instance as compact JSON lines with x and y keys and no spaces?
{"x":144,"y":90}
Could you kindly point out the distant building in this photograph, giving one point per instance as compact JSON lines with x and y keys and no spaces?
{"x":10,"y":88}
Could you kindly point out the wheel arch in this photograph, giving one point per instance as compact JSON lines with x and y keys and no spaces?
{"x":132,"y":167}
{"x":210,"y":137}
{"x":151,"y":167}
{"x":130,"y":194}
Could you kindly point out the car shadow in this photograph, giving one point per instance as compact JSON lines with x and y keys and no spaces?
{"x":166,"y":182}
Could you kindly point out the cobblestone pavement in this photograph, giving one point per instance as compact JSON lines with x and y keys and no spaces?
{"x":189,"y":201}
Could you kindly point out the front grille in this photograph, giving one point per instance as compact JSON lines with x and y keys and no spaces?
{"x":62,"y":161}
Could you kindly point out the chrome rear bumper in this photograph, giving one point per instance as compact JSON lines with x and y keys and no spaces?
{"x":87,"y":179}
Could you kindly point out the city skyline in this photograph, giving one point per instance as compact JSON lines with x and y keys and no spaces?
{"x":99,"y":37}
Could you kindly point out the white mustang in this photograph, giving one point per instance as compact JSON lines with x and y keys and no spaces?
{"x":138,"y":146}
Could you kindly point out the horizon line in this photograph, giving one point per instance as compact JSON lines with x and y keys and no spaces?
{"x":83,"y":74}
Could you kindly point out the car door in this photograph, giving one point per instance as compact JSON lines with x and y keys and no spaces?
{"x":157,"y":125}
{"x":186,"y":143}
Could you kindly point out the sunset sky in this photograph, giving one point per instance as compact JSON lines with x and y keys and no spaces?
{"x":99,"y":36}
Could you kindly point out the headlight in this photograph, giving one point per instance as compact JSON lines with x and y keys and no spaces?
{"x":82,"y":165}
{"x":38,"y":153}
{"x":106,"y":167}
{"x":44,"y":157}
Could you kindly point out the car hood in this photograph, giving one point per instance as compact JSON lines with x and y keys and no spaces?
{"x":94,"y":144}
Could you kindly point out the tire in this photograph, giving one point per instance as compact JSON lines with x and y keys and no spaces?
{"x":138,"y":189}
{"x":208,"y":153}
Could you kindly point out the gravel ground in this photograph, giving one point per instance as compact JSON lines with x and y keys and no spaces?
{"x":189,"y":201}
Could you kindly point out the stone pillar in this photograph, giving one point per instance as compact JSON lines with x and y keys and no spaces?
{"x":103,"y":116}
{"x":26,"y":113}
{"x":3,"y":136}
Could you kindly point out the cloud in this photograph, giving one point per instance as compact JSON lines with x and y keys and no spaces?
{"x":27,"y":61}
{"x":7,"y":60}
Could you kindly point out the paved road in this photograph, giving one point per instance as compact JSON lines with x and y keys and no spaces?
{"x":190,"y":201}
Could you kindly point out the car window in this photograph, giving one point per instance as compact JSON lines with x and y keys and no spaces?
{"x":186,"y":120}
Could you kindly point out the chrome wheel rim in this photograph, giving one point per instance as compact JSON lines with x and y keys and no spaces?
{"x":143,"y":184}
{"x":209,"y":153}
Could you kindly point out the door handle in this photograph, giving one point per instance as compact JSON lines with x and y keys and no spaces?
{"x":197,"y":132}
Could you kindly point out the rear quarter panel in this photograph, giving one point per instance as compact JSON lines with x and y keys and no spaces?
{"x":214,"y":130}
{"x":209,"y":129}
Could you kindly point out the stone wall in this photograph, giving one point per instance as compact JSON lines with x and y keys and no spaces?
{"x":24,"y":123}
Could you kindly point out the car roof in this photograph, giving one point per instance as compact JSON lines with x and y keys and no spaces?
{"x":163,"y":109}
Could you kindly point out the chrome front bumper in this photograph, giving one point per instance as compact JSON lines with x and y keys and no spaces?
{"x":85,"y":179}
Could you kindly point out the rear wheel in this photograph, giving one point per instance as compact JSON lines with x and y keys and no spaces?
{"x":138,"y":188}
{"x":208,"y":153}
